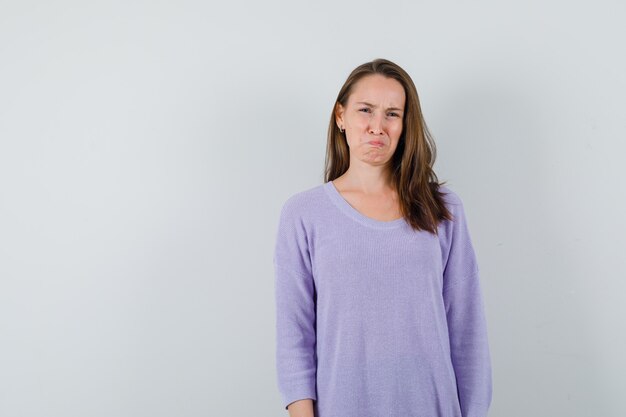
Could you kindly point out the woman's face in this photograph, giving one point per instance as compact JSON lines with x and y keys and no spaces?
{"x":372,"y":118}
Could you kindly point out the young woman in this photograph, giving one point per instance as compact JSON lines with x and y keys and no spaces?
{"x":379,"y":310}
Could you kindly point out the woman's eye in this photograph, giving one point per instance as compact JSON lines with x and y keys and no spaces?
{"x":366,"y":110}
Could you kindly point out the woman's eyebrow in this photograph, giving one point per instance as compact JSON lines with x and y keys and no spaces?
{"x":371,"y":105}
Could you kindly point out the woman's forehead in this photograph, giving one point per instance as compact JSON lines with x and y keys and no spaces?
{"x":373,"y":90}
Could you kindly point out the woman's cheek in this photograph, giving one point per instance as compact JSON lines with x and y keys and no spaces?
{"x":397,"y":130}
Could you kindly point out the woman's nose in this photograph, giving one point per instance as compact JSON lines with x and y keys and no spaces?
{"x":376,"y":125}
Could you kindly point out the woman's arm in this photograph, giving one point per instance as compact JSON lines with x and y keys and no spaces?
{"x":296,"y":361}
{"x":467,"y":325}
{"x":301,"y":408}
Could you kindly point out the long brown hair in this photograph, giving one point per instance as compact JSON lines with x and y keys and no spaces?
{"x":417,"y":185}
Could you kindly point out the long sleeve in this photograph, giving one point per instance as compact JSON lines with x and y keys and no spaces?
{"x":295,"y":295}
{"x":469,"y":347}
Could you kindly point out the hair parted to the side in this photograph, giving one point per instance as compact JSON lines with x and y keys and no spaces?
{"x":411,"y":166}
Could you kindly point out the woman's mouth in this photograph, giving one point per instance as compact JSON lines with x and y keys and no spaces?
{"x":375,"y":143}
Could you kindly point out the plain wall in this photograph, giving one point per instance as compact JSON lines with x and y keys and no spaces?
{"x":146,"y":149}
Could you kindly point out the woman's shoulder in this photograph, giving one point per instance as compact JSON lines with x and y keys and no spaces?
{"x":450,"y":197}
{"x":454,"y":203}
{"x":302,"y":201}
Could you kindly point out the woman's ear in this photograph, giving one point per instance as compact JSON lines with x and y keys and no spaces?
{"x":339,"y":115}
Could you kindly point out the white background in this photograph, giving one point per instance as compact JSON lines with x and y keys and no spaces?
{"x":147,"y":147}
